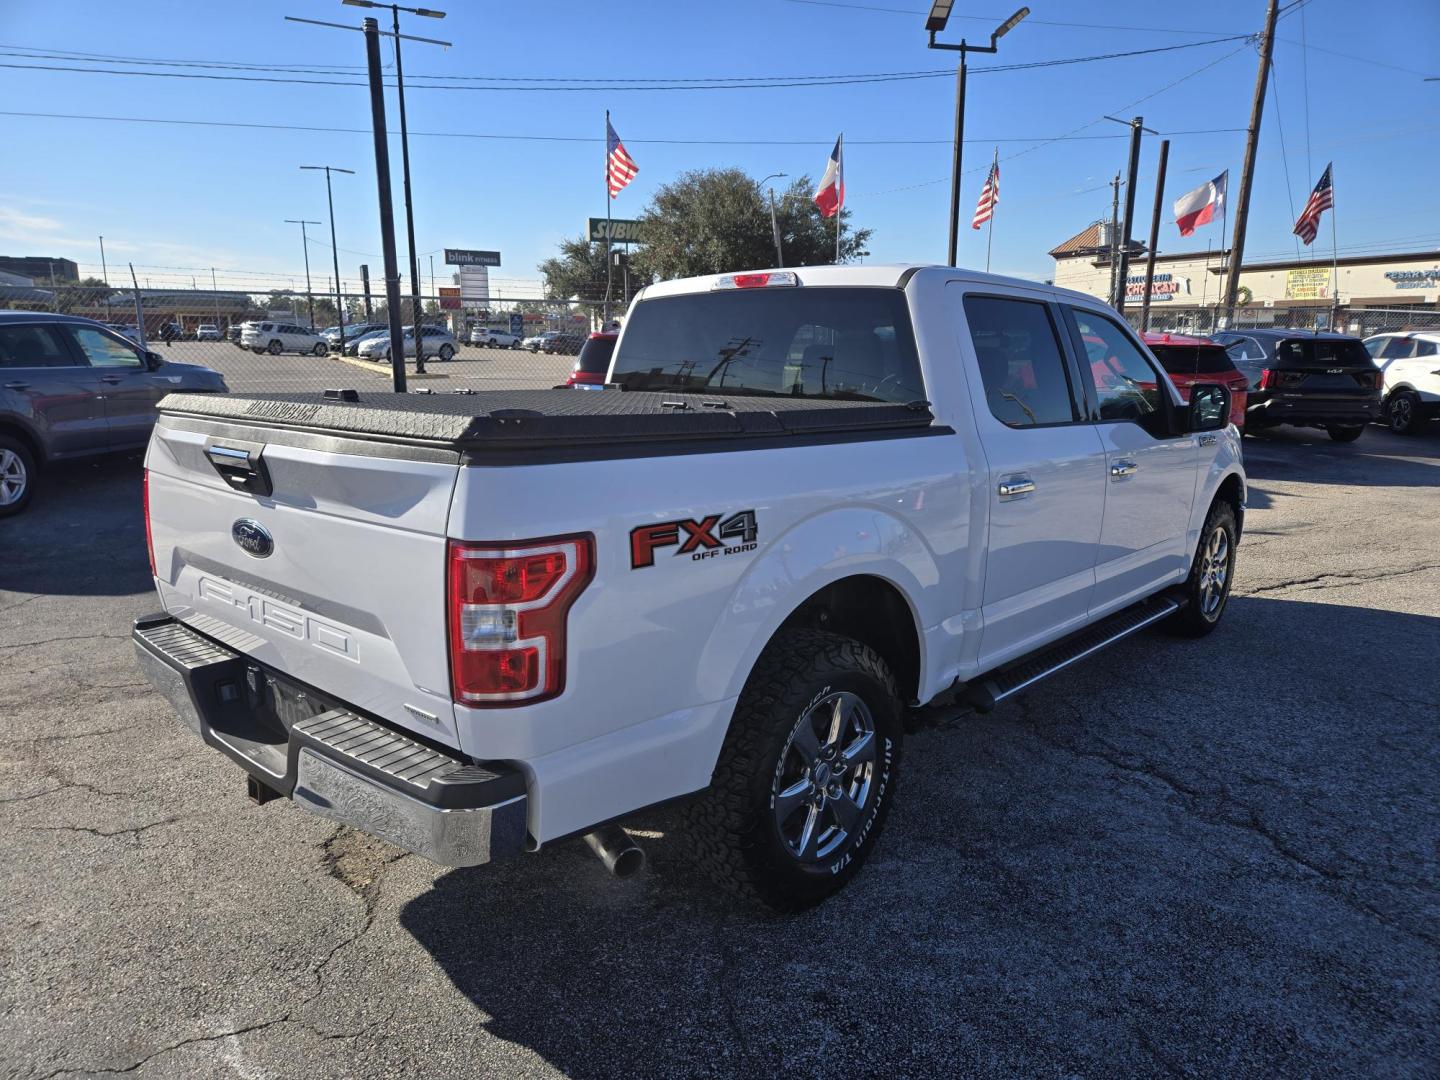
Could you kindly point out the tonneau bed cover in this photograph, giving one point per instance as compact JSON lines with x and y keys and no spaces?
{"x":499,"y":420}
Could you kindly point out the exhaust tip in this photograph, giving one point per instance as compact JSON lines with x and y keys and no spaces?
{"x":620,"y":854}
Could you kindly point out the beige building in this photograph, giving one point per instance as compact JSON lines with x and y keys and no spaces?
{"x":1197,"y":280}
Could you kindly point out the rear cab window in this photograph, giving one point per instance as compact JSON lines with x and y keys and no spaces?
{"x":847,"y":344}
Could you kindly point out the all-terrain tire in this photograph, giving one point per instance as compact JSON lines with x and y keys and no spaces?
{"x":1199,"y":617}
{"x":737,"y":839}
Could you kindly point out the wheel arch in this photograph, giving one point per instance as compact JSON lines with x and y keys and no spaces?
{"x":22,"y":434}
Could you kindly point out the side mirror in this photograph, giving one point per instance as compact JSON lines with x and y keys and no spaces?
{"x":1209,"y":408}
{"x":153,"y":360}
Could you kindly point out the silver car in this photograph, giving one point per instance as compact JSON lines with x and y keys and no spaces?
{"x":440,"y":344}
{"x":72,"y":387}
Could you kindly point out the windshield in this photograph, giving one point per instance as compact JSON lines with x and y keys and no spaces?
{"x":844,"y":343}
{"x":595,"y":355}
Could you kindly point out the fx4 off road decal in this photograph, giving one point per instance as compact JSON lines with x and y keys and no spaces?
{"x":710,"y":537}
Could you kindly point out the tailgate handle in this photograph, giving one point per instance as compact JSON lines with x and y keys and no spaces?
{"x":241,"y":467}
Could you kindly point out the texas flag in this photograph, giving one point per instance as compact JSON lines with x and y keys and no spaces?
{"x":1196,"y":208}
{"x":830,"y":195}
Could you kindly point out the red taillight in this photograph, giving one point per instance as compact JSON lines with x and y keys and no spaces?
{"x":149,"y":534}
{"x":1267,"y":379}
{"x":508,"y":608}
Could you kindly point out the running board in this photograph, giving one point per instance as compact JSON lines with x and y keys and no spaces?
{"x":1005,"y":682}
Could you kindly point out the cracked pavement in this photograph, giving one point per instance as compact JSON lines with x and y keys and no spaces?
{"x":1180,"y":858}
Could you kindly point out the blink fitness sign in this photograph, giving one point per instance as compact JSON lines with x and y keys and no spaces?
{"x":1162,"y":286}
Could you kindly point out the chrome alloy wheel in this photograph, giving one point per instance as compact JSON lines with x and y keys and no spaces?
{"x":825,"y":778}
{"x":1214,"y":572}
{"x":12,"y":477}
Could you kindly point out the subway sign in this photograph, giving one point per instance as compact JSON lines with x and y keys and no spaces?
{"x":621,"y":230}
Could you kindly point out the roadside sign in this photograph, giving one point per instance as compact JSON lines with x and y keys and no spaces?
{"x":517,"y":324}
{"x":449,"y":298}
{"x":467,"y":257}
{"x":622,"y":230}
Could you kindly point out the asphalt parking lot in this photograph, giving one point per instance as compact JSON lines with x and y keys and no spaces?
{"x":480,"y":369}
{"x":1190,"y":859}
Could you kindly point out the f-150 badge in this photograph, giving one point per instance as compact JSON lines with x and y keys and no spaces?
{"x":710,"y":537}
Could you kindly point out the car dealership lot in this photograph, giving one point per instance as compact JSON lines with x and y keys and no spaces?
{"x":1202,"y":859}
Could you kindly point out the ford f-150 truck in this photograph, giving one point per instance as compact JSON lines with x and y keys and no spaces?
{"x":809,"y":502}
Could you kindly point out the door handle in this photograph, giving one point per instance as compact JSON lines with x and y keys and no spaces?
{"x":1015,"y":487}
{"x":17,"y":386}
{"x":1123,"y":468}
{"x":113,"y":380}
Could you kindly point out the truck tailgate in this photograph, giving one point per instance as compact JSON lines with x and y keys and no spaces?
{"x":336,"y":576}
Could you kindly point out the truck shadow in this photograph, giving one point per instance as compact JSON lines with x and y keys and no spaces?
{"x":1149,"y":860}
{"x":83,"y":533}
{"x":1379,"y":458}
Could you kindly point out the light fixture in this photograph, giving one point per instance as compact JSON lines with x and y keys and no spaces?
{"x":1010,"y":24}
{"x":939,"y":15}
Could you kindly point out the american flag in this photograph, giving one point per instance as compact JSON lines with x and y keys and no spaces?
{"x":620,"y":167}
{"x":1321,"y":199}
{"x":989,"y":196}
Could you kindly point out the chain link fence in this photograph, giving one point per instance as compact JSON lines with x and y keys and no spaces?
{"x":275,"y":340}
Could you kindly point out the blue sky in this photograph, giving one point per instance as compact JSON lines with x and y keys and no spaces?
{"x":172,"y":198}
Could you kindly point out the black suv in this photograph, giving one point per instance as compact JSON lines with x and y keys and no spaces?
{"x":72,"y":387}
{"x":1306,"y":378}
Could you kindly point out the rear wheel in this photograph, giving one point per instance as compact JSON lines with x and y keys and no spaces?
{"x":1404,"y":413}
{"x":17,"y":476}
{"x":446,"y":352}
{"x":275,"y":348}
{"x":1345,"y":434}
{"x":806,"y":775}
{"x":1208,"y":587}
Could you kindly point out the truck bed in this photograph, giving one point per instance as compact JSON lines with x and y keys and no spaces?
{"x":580,"y":423}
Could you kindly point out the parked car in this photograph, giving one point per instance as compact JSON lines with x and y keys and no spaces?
{"x":565,"y":344}
{"x":352,"y":345}
{"x":177,"y":332}
{"x":1410,"y":366}
{"x":538,"y":342}
{"x":594,"y":360}
{"x":494,"y":339}
{"x":440,"y":344}
{"x":207,"y":332}
{"x":72,"y":387}
{"x":235,"y":333}
{"x":1306,"y":378}
{"x":353,"y":331}
{"x":1188,"y":360}
{"x":934,"y":499}
{"x":282,"y":337}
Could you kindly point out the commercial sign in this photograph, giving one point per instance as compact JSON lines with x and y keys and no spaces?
{"x":622,"y":230}
{"x":1307,"y":283}
{"x":1414,"y":279}
{"x":1162,"y":286}
{"x":449,"y":298}
{"x":466,"y":257}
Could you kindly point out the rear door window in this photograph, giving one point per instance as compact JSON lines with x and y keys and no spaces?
{"x":1425,"y":348}
{"x":852,"y":344}
{"x":1021,"y":363}
{"x":33,"y":346}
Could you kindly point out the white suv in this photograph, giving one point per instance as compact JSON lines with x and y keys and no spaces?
{"x":278,"y":337}
{"x":1411,"y":366}
{"x":495,"y":339}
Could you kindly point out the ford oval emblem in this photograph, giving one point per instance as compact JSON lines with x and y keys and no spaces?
{"x":252,"y":537}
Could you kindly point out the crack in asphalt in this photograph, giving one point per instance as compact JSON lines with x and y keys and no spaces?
{"x":135,"y":832}
{"x":1341,"y":580}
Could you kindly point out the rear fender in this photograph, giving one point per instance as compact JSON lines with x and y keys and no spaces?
{"x":847,"y":542}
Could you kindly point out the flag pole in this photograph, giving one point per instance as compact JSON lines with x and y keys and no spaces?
{"x":1224,"y":229}
{"x":605,"y":311}
{"x":1334,"y":257}
{"x":990,"y":234}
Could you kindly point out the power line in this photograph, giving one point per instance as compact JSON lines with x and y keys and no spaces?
{"x":244,"y":124}
{"x":993,"y":19}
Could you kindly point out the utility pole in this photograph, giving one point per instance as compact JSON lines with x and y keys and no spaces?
{"x":1247,"y":172}
{"x":334,"y":251}
{"x":1114,"y":232}
{"x":105,"y":273}
{"x":305,"y":244}
{"x":1137,"y":126}
{"x":365,"y":285}
{"x":1154,"y":234}
{"x":387,"y":208}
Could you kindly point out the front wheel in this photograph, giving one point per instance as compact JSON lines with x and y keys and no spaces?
{"x":1345,"y":434}
{"x":1207,"y":589}
{"x":17,"y":476}
{"x":807,"y":773}
{"x":321,"y":349}
{"x":1403,"y":412}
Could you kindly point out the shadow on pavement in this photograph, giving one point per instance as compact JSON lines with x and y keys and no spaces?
{"x":1379,"y":457}
{"x":1155,"y":862}
{"x":83,"y":533}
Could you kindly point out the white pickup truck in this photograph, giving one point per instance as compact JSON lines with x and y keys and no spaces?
{"x":812,"y":501}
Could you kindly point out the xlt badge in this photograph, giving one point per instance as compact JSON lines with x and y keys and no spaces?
{"x":709,"y":537}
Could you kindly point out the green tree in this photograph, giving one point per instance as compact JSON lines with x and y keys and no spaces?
{"x":92,"y":283}
{"x":578,"y":271}
{"x":717,"y":221}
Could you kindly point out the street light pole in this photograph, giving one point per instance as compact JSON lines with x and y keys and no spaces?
{"x":934,"y":24}
{"x":774,"y":222}
{"x":415,"y":312}
{"x":305,"y":243}
{"x":105,"y":273}
{"x":334,"y":251}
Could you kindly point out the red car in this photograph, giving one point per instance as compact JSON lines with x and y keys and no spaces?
{"x":1191,"y":360}
{"x":594,"y":360}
